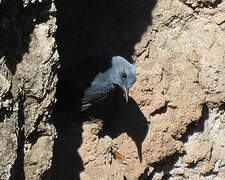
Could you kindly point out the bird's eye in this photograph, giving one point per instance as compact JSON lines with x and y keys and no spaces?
{"x":124,"y":75}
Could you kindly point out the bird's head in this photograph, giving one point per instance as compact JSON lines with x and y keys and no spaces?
{"x":123,"y":74}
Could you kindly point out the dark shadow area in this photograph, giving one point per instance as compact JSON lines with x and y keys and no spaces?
{"x":34,"y":135}
{"x":68,"y":118}
{"x":222,"y":107}
{"x":122,"y":117}
{"x":16,"y":25}
{"x":161,"y":110}
{"x":66,"y":163}
{"x":196,"y":126}
{"x":75,"y":78}
{"x":205,"y":4}
{"x":100,"y":28}
{"x":213,"y":4}
{"x":5,"y":111}
{"x":165,"y":166}
{"x":118,"y":117}
{"x":94,"y":28}
{"x":211,"y":173}
{"x":17,"y":171}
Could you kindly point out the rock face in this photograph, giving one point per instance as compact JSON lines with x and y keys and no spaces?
{"x":28,"y":59}
{"x":174,"y":124}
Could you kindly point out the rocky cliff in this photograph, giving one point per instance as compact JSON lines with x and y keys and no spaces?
{"x":174,"y":124}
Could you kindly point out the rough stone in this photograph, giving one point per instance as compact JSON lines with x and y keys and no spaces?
{"x":8,"y":123}
{"x":173,"y":125}
{"x":220,"y":18}
{"x":179,"y":62}
{"x":27,"y":87}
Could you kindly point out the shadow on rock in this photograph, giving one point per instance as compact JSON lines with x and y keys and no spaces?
{"x":16,"y":24}
{"x":67,"y":163}
{"x":117,"y":117}
{"x":126,"y":118}
{"x":99,"y":28}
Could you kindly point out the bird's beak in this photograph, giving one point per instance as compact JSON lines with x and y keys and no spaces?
{"x":126,"y":92}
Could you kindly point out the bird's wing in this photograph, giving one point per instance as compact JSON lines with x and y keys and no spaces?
{"x":79,"y":83}
{"x":95,"y":93}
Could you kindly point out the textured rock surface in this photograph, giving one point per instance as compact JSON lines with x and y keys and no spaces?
{"x":27,"y":87}
{"x":173,"y":126}
{"x":180,"y":65}
{"x":8,"y":123}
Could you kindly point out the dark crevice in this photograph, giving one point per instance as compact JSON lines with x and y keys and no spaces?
{"x":204,"y":4}
{"x":210,"y":173}
{"x":161,"y":110}
{"x":222,"y":107}
{"x":66,"y":162}
{"x":17,"y":171}
{"x":196,"y":126}
{"x":5,"y":112}
{"x":165,"y":166}
{"x":33,"y":136}
{"x":166,"y":177}
{"x":216,"y":3}
{"x":210,"y":153}
{"x":145,"y":175}
{"x":192,"y":165}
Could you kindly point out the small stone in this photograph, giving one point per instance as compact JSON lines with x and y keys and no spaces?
{"x":222,"y":27}
{"x":178,"y":171}
{"x":158,"y":176}
{"x":194,"y":5}
{"x":220,"y":18}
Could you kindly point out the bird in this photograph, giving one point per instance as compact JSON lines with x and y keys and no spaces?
{"x":84,"y":84}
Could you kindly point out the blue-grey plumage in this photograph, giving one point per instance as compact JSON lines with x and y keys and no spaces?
{"x":98,"y":77}
{"x":121,"y":73}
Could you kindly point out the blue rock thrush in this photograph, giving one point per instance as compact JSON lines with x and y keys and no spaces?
{"x":84,"y":84}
